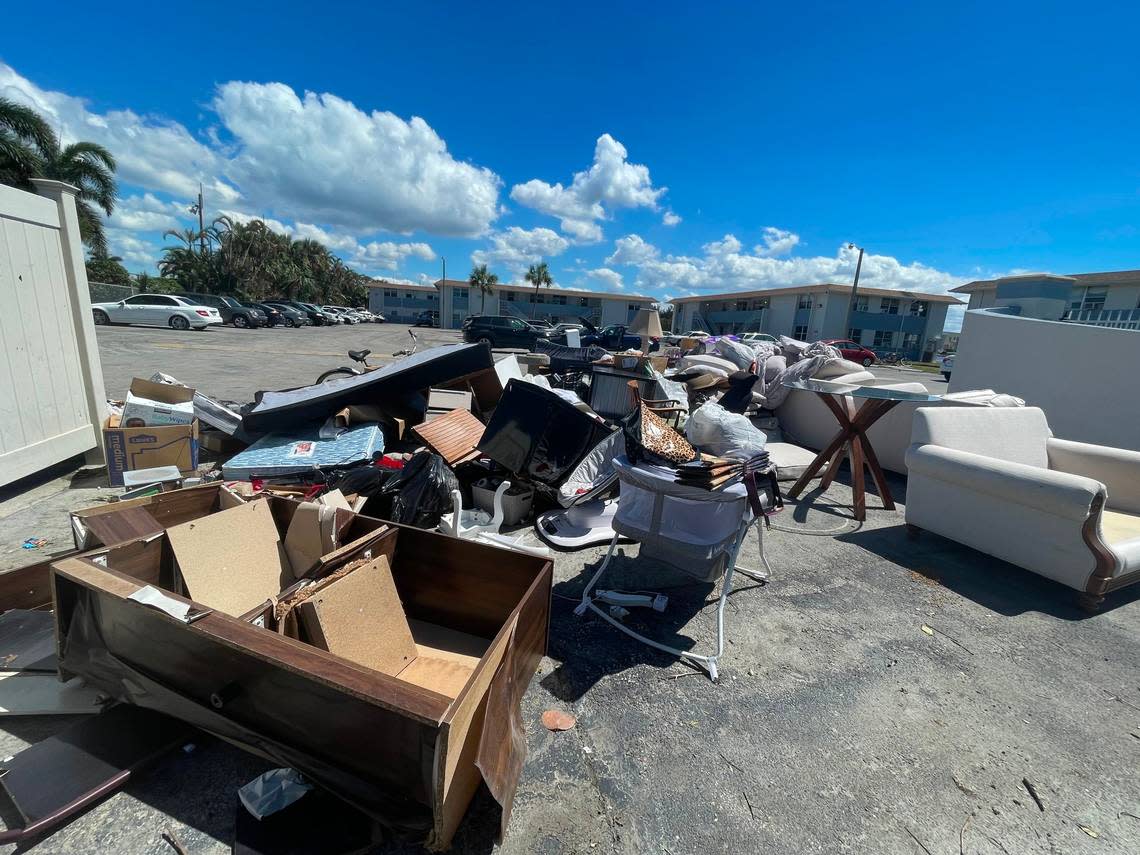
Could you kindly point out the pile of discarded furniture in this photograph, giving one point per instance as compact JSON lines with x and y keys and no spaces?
{"x":359,"y":590}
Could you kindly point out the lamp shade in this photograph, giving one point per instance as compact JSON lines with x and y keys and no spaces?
{"x":646,"y":323}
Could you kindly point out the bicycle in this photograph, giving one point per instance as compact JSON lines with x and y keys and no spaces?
{"x":361,"y":356}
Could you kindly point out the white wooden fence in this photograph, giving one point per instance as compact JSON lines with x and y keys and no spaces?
{"x":51,"y":383}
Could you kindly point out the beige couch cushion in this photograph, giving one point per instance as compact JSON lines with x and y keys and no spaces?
{"x":1118,"y":528}
{"x":1014,"y":435}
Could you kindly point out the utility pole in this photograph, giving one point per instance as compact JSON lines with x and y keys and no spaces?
{"x":200,"y":210}
{"x":854,"y":290}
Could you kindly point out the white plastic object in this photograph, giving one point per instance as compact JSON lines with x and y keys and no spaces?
{"x":657,"y":602}
{"x":714,"y":430}
{"x":468,"y":524}
{"x":618,"y":612}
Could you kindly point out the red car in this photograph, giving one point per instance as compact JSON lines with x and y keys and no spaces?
{"x":855,"y":352}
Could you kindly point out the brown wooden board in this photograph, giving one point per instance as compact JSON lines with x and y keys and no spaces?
{"x":123,"y":524}
{"x":453,"y":436}
{"x":84,"y":762}
{"x":27,"y":641}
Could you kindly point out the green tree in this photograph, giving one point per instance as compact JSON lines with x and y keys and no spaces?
{"x":107,"y":269}
{"x":539,"y":276}
{"x":485,"y":281}
{"x":30,"y":149}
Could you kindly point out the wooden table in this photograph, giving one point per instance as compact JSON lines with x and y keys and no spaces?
{"x":851,"y":440}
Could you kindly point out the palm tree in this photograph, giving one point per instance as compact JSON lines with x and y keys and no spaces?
{"x":485,"y":281}
{"x":538,"y":275}
{"x":30,"y":149}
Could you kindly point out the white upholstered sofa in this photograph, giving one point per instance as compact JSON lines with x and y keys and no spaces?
{"x":996,"y":479}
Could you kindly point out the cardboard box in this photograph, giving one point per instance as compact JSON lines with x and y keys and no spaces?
{"x":152,"y":404}
{"x":147,"y":447}
{"x":410,"y":748}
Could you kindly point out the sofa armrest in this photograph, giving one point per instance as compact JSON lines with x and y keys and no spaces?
{"x":1059,"y":493}
{"x":1117,"y":468}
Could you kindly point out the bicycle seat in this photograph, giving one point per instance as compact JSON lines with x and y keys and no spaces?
{"x":358,"y":355}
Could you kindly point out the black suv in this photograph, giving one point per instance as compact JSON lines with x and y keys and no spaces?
{"x":427,"y":319}
{"x":500,"y":331}
{"x":231,"y":309}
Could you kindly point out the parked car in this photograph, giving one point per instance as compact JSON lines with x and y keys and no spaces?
{"x":427,"y":319}
{"x":273,"y":316}
{"x":344,"y":315}
{"x":232,"y":310}
{"x":614,"y":337}
{"x":379,"y":318}
{"x":854,"y":351}
{"x":366,"y":316}
{"x":294,"y":314}
{"x":501,"y":331}
{"x":757,"y":337}
{"x":947,"y":360}
{"x":164,"y":310}
{"x":540,"y":323}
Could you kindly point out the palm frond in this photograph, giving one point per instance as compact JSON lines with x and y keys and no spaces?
{"x":28,"y":125}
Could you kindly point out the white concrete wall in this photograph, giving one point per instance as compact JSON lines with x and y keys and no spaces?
{"x":1122,"y":297}
{"x":1085,"y":378}
{"x":781,"y":315}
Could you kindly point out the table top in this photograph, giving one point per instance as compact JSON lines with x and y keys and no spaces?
{"x":829,"y":387}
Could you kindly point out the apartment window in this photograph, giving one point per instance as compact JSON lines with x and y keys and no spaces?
{"x":861,"y":304}
{"x":537,"y":298}
{"x":510,"y":296}
{"x":910,"y":341}
{"x":856,"y":335}
{"x":431,"y":296}
{"x":583,"y":302}
{"x":1094,"y":299}
{"x":800,"y":332}
{"x":632,"y":307}
{"x":758,"y":303}
{"x":389,"y":293}
{"x":889,"y":306}
{"x":884,"y":338}
{"x":919,"y":308}
{"x":741,"y":306}
{"x":804,"y":301}
{"x":558,"y":299}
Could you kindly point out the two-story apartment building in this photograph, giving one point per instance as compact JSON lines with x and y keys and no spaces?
{"x":1110,"y":299}
{"x":401,"y":303}
{"x":883,"y":319}
{"x":457,"y":300}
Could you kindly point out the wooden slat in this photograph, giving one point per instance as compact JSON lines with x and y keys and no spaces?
{"x":453,"y":437}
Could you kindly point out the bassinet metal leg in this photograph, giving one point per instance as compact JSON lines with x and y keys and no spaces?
{"x":709,"y":663}
{"x":758,"y":575}
{"x":580,"y":609}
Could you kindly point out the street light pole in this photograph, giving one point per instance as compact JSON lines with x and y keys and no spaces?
{"x":854,"y":289}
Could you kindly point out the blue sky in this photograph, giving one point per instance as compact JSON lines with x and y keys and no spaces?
{"x":681,"y":149}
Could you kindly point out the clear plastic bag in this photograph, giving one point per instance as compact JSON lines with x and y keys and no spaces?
{"x":714,"y":430}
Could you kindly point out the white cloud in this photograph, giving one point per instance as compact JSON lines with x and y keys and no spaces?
{"x":725,"y":267}
{"x":148,"y":213}
{"x":516,"y":248}
{"x":322,"y":158}
{"x":670,"y":219}
{"x":609,"y":280}
{"x":632,"y":249}
{"x":316,"y":158}
{"x":611,"y":182}
{"x":151,"y":152}
{"x":137,"y":254}
{"x":777,"y":242}
{"x":386,"y":255}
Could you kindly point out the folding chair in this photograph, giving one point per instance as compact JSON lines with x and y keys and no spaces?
{"x":697,"y":531}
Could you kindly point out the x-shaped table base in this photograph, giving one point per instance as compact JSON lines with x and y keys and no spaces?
{"x":851,"y":441}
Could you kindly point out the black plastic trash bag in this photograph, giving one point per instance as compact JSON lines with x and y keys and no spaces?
{"x":419,"y":494}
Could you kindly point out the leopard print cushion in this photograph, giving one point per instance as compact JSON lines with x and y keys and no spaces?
{"x":662,"y":440}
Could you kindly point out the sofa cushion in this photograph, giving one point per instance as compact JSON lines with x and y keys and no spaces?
{"x":1012,"y":434}
{"x":833,"y":368}
{"x":790,"y":460}
{"x":1117,"y":527}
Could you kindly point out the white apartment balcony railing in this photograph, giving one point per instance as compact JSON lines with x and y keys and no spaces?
{"x":1121,"y":319}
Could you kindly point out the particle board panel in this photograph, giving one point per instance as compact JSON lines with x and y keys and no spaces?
{"x":453,"y":436}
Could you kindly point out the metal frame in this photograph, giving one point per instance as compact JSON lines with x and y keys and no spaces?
{"x":708,"y":663}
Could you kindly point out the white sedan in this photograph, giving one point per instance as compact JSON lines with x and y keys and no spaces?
{"x":164,"y":310}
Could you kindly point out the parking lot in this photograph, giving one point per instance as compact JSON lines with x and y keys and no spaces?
{"x":232,"y":364}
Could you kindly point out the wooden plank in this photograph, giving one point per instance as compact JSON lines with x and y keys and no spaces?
{"x":24,"y":693}
{"x":65,"y":772}
{"x":27,"y":641}
{"x":124,"y":524}
{"x":29,"y":587}
{"x":453,"y":436}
